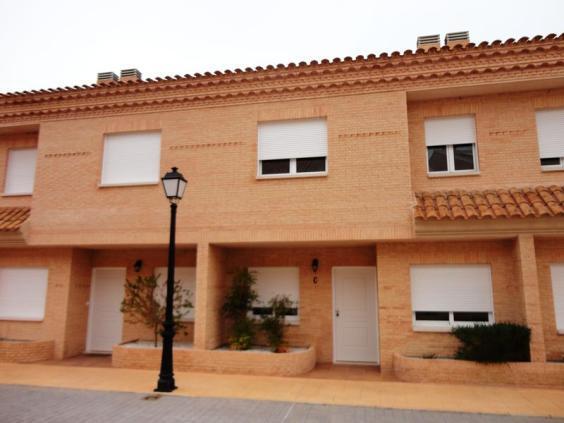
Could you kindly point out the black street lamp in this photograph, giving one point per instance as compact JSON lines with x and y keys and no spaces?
{"x":174,"y":185}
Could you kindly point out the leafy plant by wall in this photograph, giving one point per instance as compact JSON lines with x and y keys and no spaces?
{"x":273,"y":324}
{"x":144,"y":302}
{"x":496,"y":343}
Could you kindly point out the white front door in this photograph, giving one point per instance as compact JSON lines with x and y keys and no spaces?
{"x":355,"y":314}
{"x":105,"y":319}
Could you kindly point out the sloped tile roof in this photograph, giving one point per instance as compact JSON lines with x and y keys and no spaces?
{"x":490,"y":204}
{"x":11,"y":218}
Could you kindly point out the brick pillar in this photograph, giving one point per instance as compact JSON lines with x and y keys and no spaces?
{"x":210,"y":292}
{"x":526,"y":263}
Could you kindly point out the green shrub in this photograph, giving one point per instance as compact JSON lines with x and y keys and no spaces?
{"x":238,"y":303}
{"x":273,"y":325}
{"x":496,"y":343}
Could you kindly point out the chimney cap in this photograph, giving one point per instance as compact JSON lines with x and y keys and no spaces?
{"x":130,"y":75}
{"x":460,"y":37}
{"x":424,"y":40}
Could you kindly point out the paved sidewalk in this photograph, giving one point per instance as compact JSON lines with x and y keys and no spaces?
{"x":29,"y":404}
{"x":382,"y":394}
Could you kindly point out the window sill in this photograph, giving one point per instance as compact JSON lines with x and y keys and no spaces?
{"x":128,"y":184}
{"x":21,"y":319}
{"x":451,"y":174}
{"x":293,"y":176}
{"x":17,"y":194}
{"x":432,"y":329}
{"x":552,"y":169}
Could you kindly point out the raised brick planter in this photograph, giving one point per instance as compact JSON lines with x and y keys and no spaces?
{"x":253,"y":362}
{"x":411,"y":369}
{"x":19,"y":351}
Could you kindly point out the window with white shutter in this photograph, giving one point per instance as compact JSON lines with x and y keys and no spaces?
{"x":187,"y":277}
{"x":273,"y":281}
{"x":443,"y":296}
{"x":557,"y":275}
{"x":131,"y":158}
{"x":23,"y":292}
{"x":20,"y":174}
{"x":550,"y":135}
{"x":451,"y":144}
{"x":292,"y":148}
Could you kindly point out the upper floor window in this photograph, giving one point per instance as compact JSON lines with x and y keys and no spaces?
{"x":444,"y":296}
{"x":292,"y":148}
{"x":451,"y":145}
{"x":550,"y":134}
{"x":131,"y":158}
{"x":20,"y":174}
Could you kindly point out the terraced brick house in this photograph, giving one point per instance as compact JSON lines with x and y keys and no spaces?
{"x":428,"y":185}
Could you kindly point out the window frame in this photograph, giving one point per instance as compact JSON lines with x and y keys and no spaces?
{"x":552,"y":168}
{"x":293,"y":170}
{"x":451,"y":171}
{"x":6,"y":170}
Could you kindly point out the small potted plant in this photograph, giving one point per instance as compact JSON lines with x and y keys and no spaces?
{"x":274,"y":324}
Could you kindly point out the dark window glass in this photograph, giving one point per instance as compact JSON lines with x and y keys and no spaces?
{"x":431,"y":315}
{"x":470,"y":316}
{"x":551,"y":161}
{"x":437,"y":158}
{"x":310,"y":164}
{"x":266,"y":311}
{"x":463,"y":157}
{"x":273,"y":167}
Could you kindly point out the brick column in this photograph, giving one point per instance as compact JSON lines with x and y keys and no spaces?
{"x":210,"y":292}
{"x":526,"y":262}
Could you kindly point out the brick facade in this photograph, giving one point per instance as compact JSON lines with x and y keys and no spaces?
{"x":360,"y":214}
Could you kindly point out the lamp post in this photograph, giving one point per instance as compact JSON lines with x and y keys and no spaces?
{"x":174,"y":185}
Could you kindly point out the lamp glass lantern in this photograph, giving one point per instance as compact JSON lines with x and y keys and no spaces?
{"x":174,"y":185}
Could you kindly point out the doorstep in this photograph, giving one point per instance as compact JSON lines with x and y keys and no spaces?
{"x":385,"y":394}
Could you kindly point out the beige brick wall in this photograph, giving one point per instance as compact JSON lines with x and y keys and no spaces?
{"x":394,"y":291}
{"x":26,"y":352}
{"x":216,"y":149}
{"x":506,"y":140}
{"x":549,"y":251}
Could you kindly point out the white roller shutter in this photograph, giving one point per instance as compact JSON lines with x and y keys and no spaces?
{"x":20,"y":175}
{"x":550,"y":133}
{"x":273,"y":281}
{"x":451,"y":288}
{"x":292,"y":139}
{"x":23,"y":292}
{"x":131,"y":158}
{"x":187,"y":276}
{"x":557,"y":275}
{"x":450,"y":130}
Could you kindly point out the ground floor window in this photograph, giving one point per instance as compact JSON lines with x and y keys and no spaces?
{"x":557,"y":275}
{"x":444,"y":296}
{"x":273,"y":281}
{"x":187,"y":275}
{"x":23,"y":292}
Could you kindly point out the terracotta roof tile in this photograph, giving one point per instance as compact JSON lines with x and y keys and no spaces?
{"x":540,"y":201}
{"x":11,"y":218}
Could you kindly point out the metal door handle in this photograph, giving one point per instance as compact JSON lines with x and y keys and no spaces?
{"x":337,"y":313}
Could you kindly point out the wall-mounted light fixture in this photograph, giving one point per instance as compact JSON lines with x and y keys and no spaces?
{"x":314,"y":269}
{"x":138,"y":265}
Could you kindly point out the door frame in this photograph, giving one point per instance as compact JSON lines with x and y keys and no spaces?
{"x":376,"y":317}
{"x":91,"y":305}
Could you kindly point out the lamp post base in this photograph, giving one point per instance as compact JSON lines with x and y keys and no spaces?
{"x":165,"y":385}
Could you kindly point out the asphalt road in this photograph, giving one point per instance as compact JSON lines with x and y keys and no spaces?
{"x":33,"y":404}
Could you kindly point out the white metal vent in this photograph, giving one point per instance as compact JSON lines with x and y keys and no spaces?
{"x":461,"y":36}
{"x":428,"y":40}
{"x":130,"y":74}
{"x":107,"y":77}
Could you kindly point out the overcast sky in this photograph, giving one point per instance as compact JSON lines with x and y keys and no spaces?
{"x":52,"y":43}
